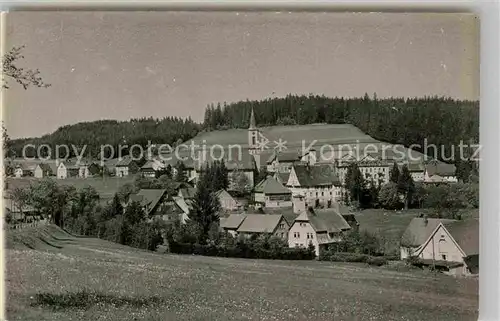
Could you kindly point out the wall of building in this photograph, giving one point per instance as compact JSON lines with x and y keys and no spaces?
{"x":38,"y":173}
{"x":121,"y":171}
{"x":62,"y":172}
{"x":301,"y":234}
{"x":441,"y":247}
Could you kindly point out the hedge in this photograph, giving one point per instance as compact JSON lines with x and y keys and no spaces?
{"x":353,"y":258}
{"x":242,"y":251}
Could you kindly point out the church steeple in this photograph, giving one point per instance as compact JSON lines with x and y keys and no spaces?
{"x":252,"y":120}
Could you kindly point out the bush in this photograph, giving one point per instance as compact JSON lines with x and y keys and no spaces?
{"x":352,"y":258}
{"x":242,"y":249}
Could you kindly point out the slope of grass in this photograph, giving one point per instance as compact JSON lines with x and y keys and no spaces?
{"x":91,"y":279}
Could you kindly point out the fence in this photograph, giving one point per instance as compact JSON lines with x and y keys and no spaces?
{"x":23,"y":225}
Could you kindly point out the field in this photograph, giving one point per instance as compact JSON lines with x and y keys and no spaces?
{"x":67,"y":278}
{"x":106,"y":187}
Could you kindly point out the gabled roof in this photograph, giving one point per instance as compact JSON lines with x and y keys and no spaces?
{"x":224,"y":193}
{"x":316,"y":175}
{"x":125,"y":161}
{"x":149,"y":197}
{"x":419,"y":230}
{"x":187,"y":192}
{"x":284,"y":157}
{"x":287,"y":212}
{"x":232,"y":222}
{"x":435,"y":167}
{"x":283,"y":177}
{"x":324,"y":220}
{"x":260,"y":223}
{"x":466,"y":234}
{"x":416,"y":167}
{"x":271,"y":186}
{"x":51,"y":168}
{"x":182,"y":204}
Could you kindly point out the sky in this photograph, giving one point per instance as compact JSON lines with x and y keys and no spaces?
{"x":122,"y":65}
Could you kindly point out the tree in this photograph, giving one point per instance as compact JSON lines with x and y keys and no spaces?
{"x":180,"y":176}
{"x":113,"y":209}
{"x":394,"y":174}
{"x":355,"y":183}
{"x":51,"y":199}
{"x":206,"y":206}
{"x":24,"y":77}
{"x":125,"y":191}
{"x":389,"y":196}
{"x":134,"y":213}
{"x":20,"y":197}
{"x":406,"y":186}
{"x":240,"y":182}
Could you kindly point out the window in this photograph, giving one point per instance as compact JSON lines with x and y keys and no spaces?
{"x":322,"y":193}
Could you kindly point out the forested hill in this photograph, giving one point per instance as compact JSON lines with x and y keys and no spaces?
{"x":443,"y":121}
{"x":95,"y":134}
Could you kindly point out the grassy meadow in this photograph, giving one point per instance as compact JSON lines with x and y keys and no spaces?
{"x":52,"y":275}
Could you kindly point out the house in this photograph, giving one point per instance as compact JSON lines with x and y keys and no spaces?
{"x":76,"y":168}
{"x":14,"y":212}
{"x":282,"y":177}
{"x":156,"y":203}
{"x":439,"y":172}
{"x":416,"y":233}
{"x":231,"y":223}
{"x":264,"y":224}
{"x":24,"y":169}
{"x":452,"y":246}
{"x":320,"y":228}
{"x":126,"y":166}
{"x":187,"y":193}
{"x":151,"y":167}
{"x":318,"y":184}
{"x":417,"y":171}
{"x":271,"y":193}
{"x":185,"y":205}
{"x":282,"y":162}
{"x":227,"y":201}
{"x":45,"y":170}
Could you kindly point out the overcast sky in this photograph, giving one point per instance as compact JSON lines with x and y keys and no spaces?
{"x":121,"y":65}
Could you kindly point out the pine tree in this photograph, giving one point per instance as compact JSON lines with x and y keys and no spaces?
{"x":355,"y":183}
{"x":181,"y":173}
{"x":206,"y":205}
{"x":134,"y":213}
{"x":394,"y":174}
{"x":406,"y":186}
{"x":114,"y":209}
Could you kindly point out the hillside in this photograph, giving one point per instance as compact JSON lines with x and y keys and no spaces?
{"x":91,"y":279}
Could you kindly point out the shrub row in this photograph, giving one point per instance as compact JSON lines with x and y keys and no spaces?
{"x":353,"y":257}
{"x":242,"y":251}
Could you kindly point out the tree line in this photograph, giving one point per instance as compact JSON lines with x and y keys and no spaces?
{"x":402,"y":192}
{"x":94,"y":134}
{"x":442,"y":121}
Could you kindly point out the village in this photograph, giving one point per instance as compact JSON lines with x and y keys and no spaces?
{"x":298,"y":196}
